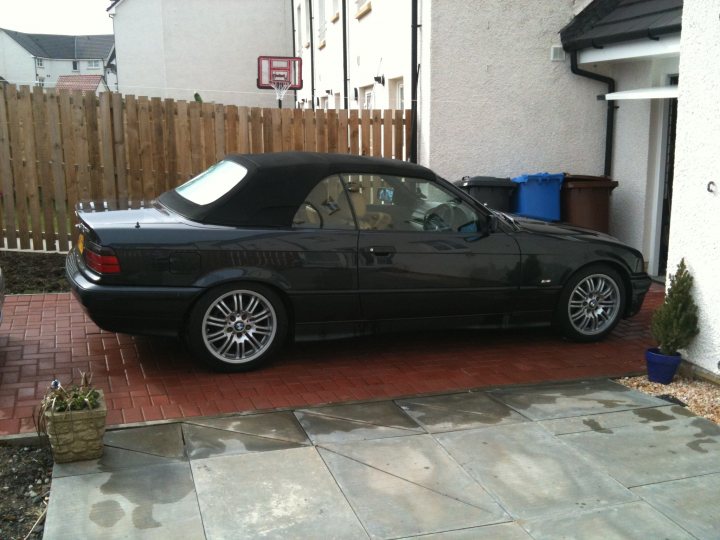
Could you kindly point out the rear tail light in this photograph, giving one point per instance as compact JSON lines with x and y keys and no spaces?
{"x":101,"y":259}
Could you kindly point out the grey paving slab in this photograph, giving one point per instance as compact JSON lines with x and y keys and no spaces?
{"x":691,"y":503}
{"x":657,"y":416}
{"x":635,"y":520}
{"x":422,"y":461}
{"x":530,"y":471}
{"x":280,"y":425}
{"x":573,"y":399}
{"x":154,"y":502}
{"x":327,"y":429}
{"x":113,"y":459}
{"x":160,"y":440}
{"x":390,"y":506}
{"x":284,"y":494}
{"x":458,"y":411}
{"x":204,"y":442}
{"x":503,"y":531}
{"x":639,"y":454}
{"x":379,"y":413}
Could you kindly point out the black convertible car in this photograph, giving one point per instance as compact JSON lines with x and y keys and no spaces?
{"x":260,"y":248}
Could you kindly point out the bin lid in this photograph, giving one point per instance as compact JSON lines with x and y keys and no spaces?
{"x":584,"y":184}
{"x":485,"y":181}
{"x":539,"y":177}
{"x":585,"y":178}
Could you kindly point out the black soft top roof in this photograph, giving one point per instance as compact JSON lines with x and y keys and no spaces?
{"x":278,"y":183}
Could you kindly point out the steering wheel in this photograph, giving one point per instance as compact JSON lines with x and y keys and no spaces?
{"x":439,"y":218}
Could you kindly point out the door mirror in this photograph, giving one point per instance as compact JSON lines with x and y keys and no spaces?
{"x":492,"y":223}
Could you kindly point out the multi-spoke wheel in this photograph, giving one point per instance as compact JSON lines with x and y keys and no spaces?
{"x":591,"y":304}
{"x":237,"y":327}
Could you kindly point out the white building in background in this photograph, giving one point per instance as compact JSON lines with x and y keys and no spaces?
{"x":367,"y":43}
{"x":40,"y":59}
{"x":175,"y":48}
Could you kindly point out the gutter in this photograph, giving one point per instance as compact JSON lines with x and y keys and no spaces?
{"x":415,"y":69}
{"x":346,"y":99}
{"x":312,"y":55}
{"x":610,"y":125}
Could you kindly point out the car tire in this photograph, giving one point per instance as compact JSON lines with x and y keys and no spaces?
{"x":591,"y":304}
{"x":237,"y":327}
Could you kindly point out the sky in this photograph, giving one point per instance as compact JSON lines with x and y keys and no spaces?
{"x":72,"y":17}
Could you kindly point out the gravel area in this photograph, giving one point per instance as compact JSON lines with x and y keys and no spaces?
{"x":701,"y":397}
{"x":25,"y":475}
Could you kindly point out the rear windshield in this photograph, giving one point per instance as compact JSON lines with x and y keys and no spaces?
{"x":210,"y":185}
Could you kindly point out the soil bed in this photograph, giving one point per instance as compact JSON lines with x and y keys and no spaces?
{"x":28,"y":272}
{"x":25,"y":475}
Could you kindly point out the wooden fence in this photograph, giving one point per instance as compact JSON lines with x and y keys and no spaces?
{"x":60,"y":147}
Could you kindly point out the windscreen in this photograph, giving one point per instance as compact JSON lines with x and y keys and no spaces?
{"x":210,"y":185}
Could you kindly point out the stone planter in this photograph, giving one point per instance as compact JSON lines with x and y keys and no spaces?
{"x":77,"y":435}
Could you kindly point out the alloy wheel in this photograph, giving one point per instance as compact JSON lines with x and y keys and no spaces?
{"x":594,"y":304}
{"x":239,"y":326}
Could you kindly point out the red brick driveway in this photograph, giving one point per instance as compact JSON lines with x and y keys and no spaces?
{"x":43,"y":337}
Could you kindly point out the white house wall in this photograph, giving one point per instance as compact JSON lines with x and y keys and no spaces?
{"x":379,"y":43}
{"x":174,"y":48}
{"x":696,"y":212}
{"x":500,"y":106}
{"x":138,"y":29}
{"x":16,"y":64}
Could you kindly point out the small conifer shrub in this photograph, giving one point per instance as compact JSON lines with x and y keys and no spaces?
{"x":675,"y":322}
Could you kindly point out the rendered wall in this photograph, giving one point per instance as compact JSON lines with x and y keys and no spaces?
{"x":138,"y":29}
{"x":696,"y":212}
{"x":499,"y":105}
{"x":16,"y":64}
{"x":174,"y":48}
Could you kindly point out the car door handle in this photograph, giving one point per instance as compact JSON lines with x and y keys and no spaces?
{"x":382,"y":251}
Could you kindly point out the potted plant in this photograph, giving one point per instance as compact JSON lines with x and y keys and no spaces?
{"x":674,"y":325}
{"x":74,"y":420}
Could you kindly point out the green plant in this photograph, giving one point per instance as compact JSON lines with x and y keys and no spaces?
{"x":675,"y":322}
{"x":60,"y":399}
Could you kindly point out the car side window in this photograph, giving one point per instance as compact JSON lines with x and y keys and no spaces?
{"x":383,"y":202}
{"x":325,"y":207}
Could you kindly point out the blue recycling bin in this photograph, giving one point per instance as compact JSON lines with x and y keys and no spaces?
{"x":538,"y":196}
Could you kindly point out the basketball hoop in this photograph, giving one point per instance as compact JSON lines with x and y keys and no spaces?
{"x":281,"y":73}
{"x":281,"y":88}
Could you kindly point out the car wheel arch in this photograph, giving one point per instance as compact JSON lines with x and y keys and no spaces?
{"x":281,"y":293}
{"x":615,"y":265}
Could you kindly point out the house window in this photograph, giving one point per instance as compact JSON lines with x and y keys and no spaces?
{"x":93,"y":64}
{"x":368,"y":98}
{"x":321,"y":20}
{"x":76,"y":65}
{"x":307,"y":20}
{"x":39,"y":62}
{"x":397,"y":93}
{"x":298,"y":18}
{"x":41,"y":82}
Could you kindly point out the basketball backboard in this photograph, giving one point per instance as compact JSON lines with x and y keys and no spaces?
{"x":274,"y":71}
